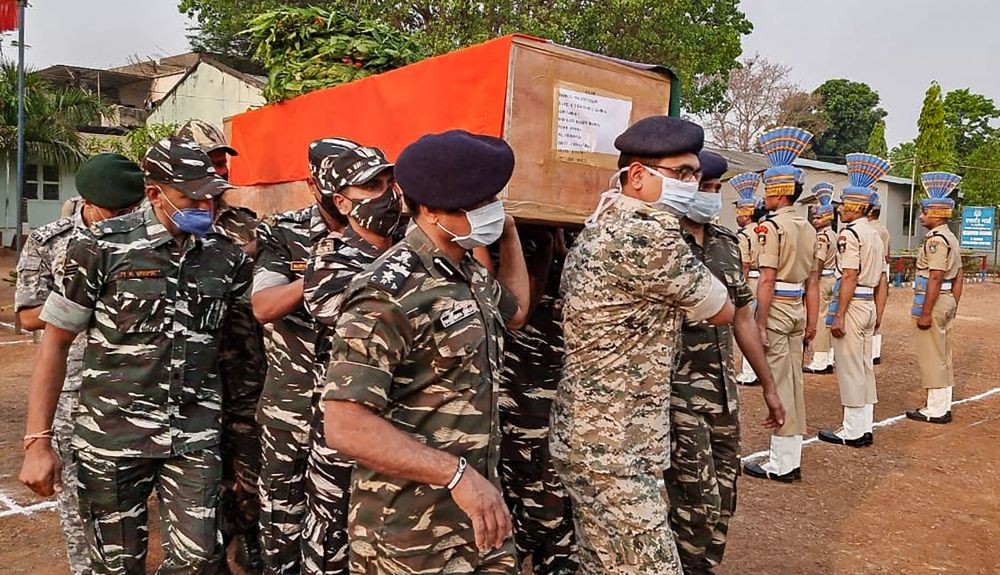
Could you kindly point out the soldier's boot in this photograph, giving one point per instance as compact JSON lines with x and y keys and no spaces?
{"x":856,"y":429}
{"x":822,"y":362}
{"x":747,"y":375}
{"x":784,"y":462}
{"x":247,"y":559}
{"x":938,"y":409}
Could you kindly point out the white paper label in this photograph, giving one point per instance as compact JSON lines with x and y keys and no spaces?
{"x":590,"y":123}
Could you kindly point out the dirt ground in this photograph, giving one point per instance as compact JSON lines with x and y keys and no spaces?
{"x":923,"y":500}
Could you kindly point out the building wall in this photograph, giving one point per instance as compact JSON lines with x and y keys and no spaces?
{"x":208,"y":94}
{"x":40,"y":212}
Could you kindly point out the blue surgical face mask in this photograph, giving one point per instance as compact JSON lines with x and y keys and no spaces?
{"x":705,"y":207}
{"x":195,"y":221}
{"x":485,"y":226}
{"x":675,"y":196}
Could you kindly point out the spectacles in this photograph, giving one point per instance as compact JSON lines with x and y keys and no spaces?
{"x":682,"y":173}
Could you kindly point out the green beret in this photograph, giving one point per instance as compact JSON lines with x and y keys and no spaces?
{"x":110,"y":181}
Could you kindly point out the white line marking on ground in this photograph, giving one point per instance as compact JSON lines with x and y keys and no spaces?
{"x":29,"y":510}
{"x":14,"y":342}
{"x":883,"y":423}
{"x":9,"y":326}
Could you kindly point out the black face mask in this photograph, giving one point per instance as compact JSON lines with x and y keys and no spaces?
{"x":380,"y":215}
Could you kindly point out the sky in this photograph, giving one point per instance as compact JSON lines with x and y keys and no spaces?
{"x":896,"y":46}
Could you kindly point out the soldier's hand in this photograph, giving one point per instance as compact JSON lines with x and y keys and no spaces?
{"x":924,"y":322}
{"x":837,"y":327}
{"x":484,"y":504}
{"x":775,"y":411}
{"x":810,"y":334}
{"x":763,"y":337}
{"x":42,"y":469}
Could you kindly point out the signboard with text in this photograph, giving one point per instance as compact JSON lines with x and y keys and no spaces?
{"x":978,"y":228}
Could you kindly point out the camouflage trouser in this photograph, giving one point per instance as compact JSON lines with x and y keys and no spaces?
{"x":701,"y":481}
{"x":328,"y":488}
{"x":113,"y":497}
{"x":542,"y":513}
{"x":239,"y":512}
{"x":621,"y":521}
{"x":459,"y":560}
{"x":69,"y":503}
{"x":282,"y":498}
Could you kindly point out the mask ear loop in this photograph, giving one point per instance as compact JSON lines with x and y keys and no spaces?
{"x":607,"y":199}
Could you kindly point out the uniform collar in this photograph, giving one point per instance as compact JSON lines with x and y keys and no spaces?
{"x":156,"y":232}
{"x":317,"y":225}
{"x":784,"y":210}
{"x":77,"y":217}
{"x":354,"y":240}
{"x":435,"y":261}
{"x":941,"y":228}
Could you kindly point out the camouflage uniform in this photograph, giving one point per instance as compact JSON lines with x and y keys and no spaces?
{"x":39,"y":272}
{"x":243,"y":368}
{"x":150,"y":399}
{"x":628,"y":282}
{"x":333,"y":264}
{"x":540,"y":507}
{"x":704,"y":415}
{"x":420,"y":341}
{"x":296,"y":360}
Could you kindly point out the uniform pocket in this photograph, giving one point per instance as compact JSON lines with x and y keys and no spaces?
{"x":141,"y":305}
{"x":456,"y":345}
{"x":209,"y":306}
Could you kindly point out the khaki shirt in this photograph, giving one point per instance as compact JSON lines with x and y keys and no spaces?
{"x":860,"y":248}
{"x":748,"y":245}
{"x":939,"y":252}
{"x":787,"y":243}
{"x":883,"y":234}
{"x":826,"y":253}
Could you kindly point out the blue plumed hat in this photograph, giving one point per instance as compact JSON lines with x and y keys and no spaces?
{"x":824,"y":193}
{"x":782,"y":146}
{"x":863,"y":170}
{"x":745,"y":185}
{"x":939,"y":186}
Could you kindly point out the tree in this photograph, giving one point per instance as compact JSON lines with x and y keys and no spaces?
{"x":753,"y":99}
{"x":901,"y":158}
{"x":981,"y":183}
{"x":968,"y":117}
{"x":698,"y":39}
{"x":935,"y":147}
{"x":53,"y":117}
{"x":802,"y":110}
{"x":851,"y":111}
{"x":876,"y":142}
{"x":133,"y":145}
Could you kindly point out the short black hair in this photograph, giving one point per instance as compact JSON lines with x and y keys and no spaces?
{"x":626,"y":160}
{"x":799,"y":187}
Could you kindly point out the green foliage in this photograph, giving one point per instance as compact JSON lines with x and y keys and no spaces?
{"x":133,"y":145}
{"x":851,"y":112}
{"x":968,"y":117}
{"x":901,"y":158}
{"x":876,"y":142}
{"x":52,"y":117}
{"x":306,"y":49}
{"x":698,"y":39}
{"x":981,"y":183}
{"x":935,"y":147}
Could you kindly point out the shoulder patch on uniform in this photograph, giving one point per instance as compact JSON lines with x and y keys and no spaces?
{"x":51,"y":230}
{"x":392,"y":273}
{"x":325,"y":247}
{"x":841,"y":244}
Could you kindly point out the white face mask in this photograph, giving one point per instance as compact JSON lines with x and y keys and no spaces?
{"x":705,"y":207}
{"x":675,"y":196}
{"x":485,"y":226}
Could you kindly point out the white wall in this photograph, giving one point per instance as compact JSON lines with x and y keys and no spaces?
{"x":40,"y":212}
{"x":207,"y":94}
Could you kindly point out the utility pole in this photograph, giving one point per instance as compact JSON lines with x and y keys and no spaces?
{"x":21,"y":4}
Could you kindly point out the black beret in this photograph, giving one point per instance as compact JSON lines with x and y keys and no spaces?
{"x":110,"y":181}
{"x":661,"y":136}
{"x":712,"y":165}
{"x":454,"y":170}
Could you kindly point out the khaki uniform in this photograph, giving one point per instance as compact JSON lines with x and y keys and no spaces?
{"x":858,"y":247}
{"x":787,"y":244}
{"x":938,"y":252}
{"x":883,"y":234}
{"x":748,"y":246}
{"x":826,"y":256}
{"x":628,"y":283}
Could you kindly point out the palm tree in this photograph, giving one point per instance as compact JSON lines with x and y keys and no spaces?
{"x":52,"y":117}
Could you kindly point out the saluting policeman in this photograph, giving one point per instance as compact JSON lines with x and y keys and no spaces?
{"x":826,"y":261}
{"x":937,"y":291}
{"x":787,"y":276}
{"x":853,"y":317}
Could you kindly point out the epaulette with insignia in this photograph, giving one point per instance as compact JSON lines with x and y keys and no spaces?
{"x":725,"y":232}
{"x":392,"y":273}
{"x":51,"y":230}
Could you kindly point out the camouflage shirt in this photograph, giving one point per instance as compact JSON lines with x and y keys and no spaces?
{"x":420,"y":342}
{"x":238,"y":224}
{"x":154,"y":309}
{"x":704,"y":380}
{"x":334,"y":262}
{"x":296,"y":348}
{"x":39,"y":272}
{"x":628,"y":282}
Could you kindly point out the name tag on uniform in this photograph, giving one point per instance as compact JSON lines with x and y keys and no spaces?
{"x":298,"y":266}
{"x":138,"y":274}
{"x":458,"y":312}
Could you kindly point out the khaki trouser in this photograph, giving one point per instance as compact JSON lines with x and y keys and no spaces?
{"x":855,"y":373}
{"x":821,"y":343}
{"x":934,"y":345}
{"x":785,"y":329}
